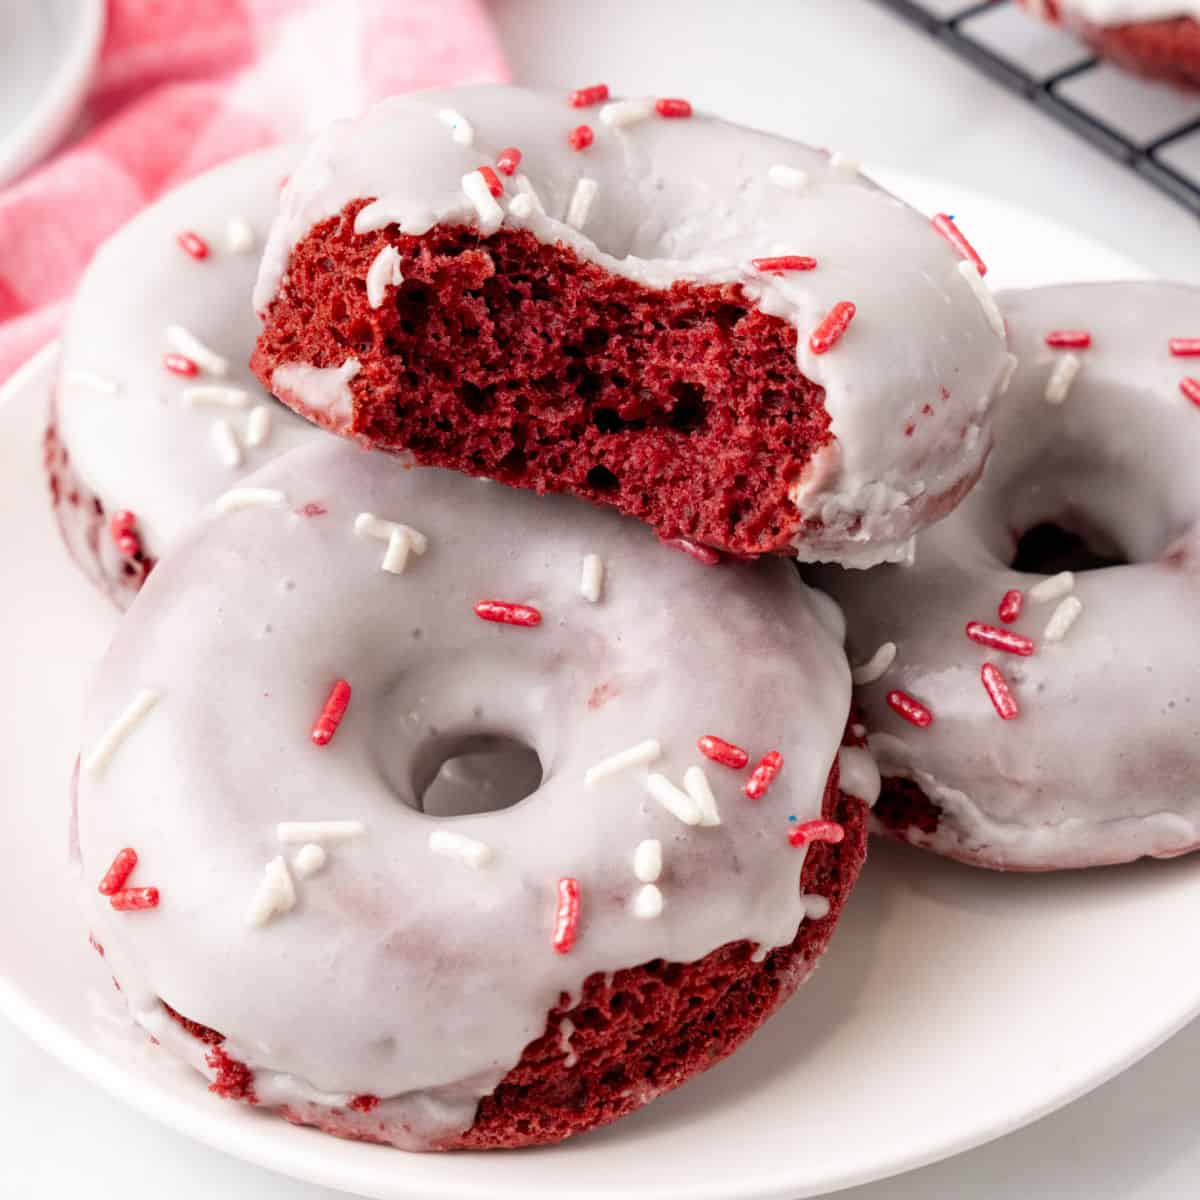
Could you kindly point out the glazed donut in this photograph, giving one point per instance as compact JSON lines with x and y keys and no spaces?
{"x":302,"y":933}
{"x":1158,"y":38}
{"x":135,"y":450}
{"x":1095,"y":669}
{"x":733,"y":337}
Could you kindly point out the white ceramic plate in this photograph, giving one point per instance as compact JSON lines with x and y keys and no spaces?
{"x":954,"y":1006}
{"x":47,"y":51}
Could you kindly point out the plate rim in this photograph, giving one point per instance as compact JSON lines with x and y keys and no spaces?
{"x":244,"y":1141}
{"x":59,"y":98}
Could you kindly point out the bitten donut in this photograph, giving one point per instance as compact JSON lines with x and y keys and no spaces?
{"x":280,"y":913}
{"x":155,"y":410}
{"x":737,"y":339}
{"x":1159,"y":38}
{"x":1026,"y":715}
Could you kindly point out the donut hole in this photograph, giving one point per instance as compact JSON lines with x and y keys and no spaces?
{"x":1050,"y":547}
{"x":460,"y":776}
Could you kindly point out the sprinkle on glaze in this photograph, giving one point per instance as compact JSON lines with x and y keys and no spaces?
{"x":638,"y":755}
{"x":310,"y":859}
{"x":648,"y":903}
{"x":677,"y":802}
{"x":1058,"y":386}
{"x":139,"y":708}
{"x":876,"y":667}
{"x":275,"y":895}
{"x":250,"y":497}
{"x":1053,"y":587}
{"x":696,"y":784}
{"x":467,"y":850}
{"x":591,"y":578}
{"x":186,"y":343}
{"x":648,"y":860}
{"x":1063,"y":617}
{"x":292,"y":833}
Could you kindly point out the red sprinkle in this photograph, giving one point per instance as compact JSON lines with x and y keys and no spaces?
{"x":703,"y":554}
{"x":999,"y":639}
{"x":492,"y":180}
{"x":1068,"y":339}
{"x":123,"y":527}
{"x":508,"y":160}
{"x":1191,"y":389}
{"x":835,"y":323}
{"x":581,"y":137}
{"x":1185,"y":347}
{"x":910,"y":709}
{"x":506,"y":613}
{"x":764,"y":775}
{"x":585,"y":97}
{"x":998,"y":691}
{"x":1011,"y":604}
{"x":193,"y":244}
{"x":132,"y":899}
{"x":332,"y":714}
{"x":951,"y":232}
{"x":116,"y":875}
{"x":180,"y":364}
{"x":784,"y":262}
{"x":672,"y":108}
{"x":723,"y":752}
{"x":808,"y":832}
{"x":566,"y":915}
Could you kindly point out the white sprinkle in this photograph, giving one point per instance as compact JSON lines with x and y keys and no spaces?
{"x":647,"y":860}
{"x":460,"y":128}
{"x":648,"y":903}
{"x":970,"y":272}
{"x":621,"y":113}
{"x":876,"y":666}
{"x":1061,"y":378}
{"x":187,"y":344}
{"x":93,"y":380}
{"x":858,"y":774}
{"x":815,"y":907}
{"x":239,"y":235}
{"x":676,"y":801}
{"x":258,"y":425}
{"x":293,"y":832}
{"x":237,"y":498}
{"x":491,"y":215}
{"x":310,"y":859}
{"x":217,"y":395}
{"x":1053,"y":587}
{"x":696,"y":784}
{"x":525,"y":188}
{"x":844,"y":163}
{"x":636,"y":756}
{"x":521,"y":207}
{"x":1006,"y":374}
{"x":1063,"y":618}
{"x":791,"y":179}
{"x":581,"y":202}
{"x":591,"y":578}
{"x":858,"y":731}
{"x":401,"y":540}
{"x":119,"y":730}
{"x":225,"y":440}
{"x":275,"y":895}
{"x":384,"y":272}
{"x":458,"y":846}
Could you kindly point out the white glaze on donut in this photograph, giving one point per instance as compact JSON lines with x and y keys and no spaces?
{"x":1122,"y":12}
{"x":400,"y":972}
{"x":697,"y":200}
{"x":1103,"y":762}
{"x":146,"y":443}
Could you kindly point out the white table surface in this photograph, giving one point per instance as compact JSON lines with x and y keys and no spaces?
{"x":840,"y":73}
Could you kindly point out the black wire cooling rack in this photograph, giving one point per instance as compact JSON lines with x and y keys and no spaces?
{"x":1150,"y":127}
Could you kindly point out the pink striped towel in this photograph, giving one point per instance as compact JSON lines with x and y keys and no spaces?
{"x":183,"y":84}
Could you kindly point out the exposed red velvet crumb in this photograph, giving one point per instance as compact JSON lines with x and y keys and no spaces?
{"x":638,"y":1032}
{"x":364,"y":1103}
{"x":516,"y":360}
{"x":902,"y":806}
{"x":234,"y":1081}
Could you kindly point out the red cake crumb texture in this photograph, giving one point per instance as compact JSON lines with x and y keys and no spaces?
{"x":519,"y":361}
{"x":636,"y":1033}
{"x":106,"y":546}
{"x":1167,"y":48}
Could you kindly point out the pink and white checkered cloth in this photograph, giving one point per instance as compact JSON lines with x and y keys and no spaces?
{"x":184,"y":84}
